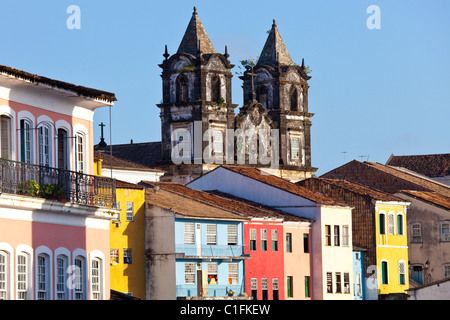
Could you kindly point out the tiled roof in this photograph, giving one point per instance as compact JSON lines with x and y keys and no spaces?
{"x":147,"y":154}
{"x":228,"y":202}
{"x":430,"y":197}
{"x":110,"y":161}
{"x":353,"y":187}
{"x":283,"y":184}
{"x":430,"y":165}
{"x":185,"y":205}
{"x":36,"y":79}
{"x":128,"y":185}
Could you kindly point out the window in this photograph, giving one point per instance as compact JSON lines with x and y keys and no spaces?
{"x":212,"y":273}
{"x":22,"y":277}
{"x":288,"y":242}
{"x":253,"y":239}
{"x":215,"y":89}
{"x":114,"y":259}
{"x":274,"y":240}
{"x":382,"y":217}
{"x":307,"y":292}
{"x":358,"y":284}
{"x":265,"y":289}
{"x":233,"y":276}
{"x":211,"y":234}
{"x":384,"y":272}
{"x":416,"y":232}
{"x":290,"y":286}
{"x":189,"y":273}
{"x":232,"y":237}
{"x":275,"y":289}
{"x":329,"y":282}
{"x":189,"y":232}
{"x":117,"y":218}
{"x":80,"y":162}
{"x":181,"y":139}
{"x":445,"y":231}
{"x":5,"y":136}
{"x":254,"y":288}
{"x":345,"y":236}
{"x":44,"y":146}
{"x":96,"y":278}
{"x":336,"y":236}
{"x":446,"y":271}
{"x":391,"y":223}
{"x":400,"y":224}
{"x":328,"y":235}
{"x":294,"y":99}
{"x":263,"y":240}
{"x":127,"y":253}
{"x":295,"y":148}
{"x":25,"y":140}
{"x":346,"y":282}
{"x":130,"y":210}
{"x":4,"y":275}
{"x":338,"y":283}
{"x":401,"y":272}
{"x":217,"y":141}
{"x":182,"y":89}
{"x":43,"y":290}
{"x":80,"y":278}
{"x":63,"y":162}
{"x":306,"y":243}
{"x":418,"y":274}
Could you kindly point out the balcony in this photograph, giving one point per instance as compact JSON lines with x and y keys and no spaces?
{"x":55,"y":184}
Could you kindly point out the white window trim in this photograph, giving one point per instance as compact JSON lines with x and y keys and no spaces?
{"x":400,"y":213}
{"x":385,"y":222}
{"x":9,"y":281}
{"x":66,"y":253}
{"x":62,"y":124}
{"x":43,"y":250}
{"x":100,"y":256}
{"x":27,"y":117}
{"x":381,"y":272}
{"x":80,"y":130}
{"x":404,"y":272}
{"x":23,"y":248}
{"x":9,"y":112}
{"x":441,"y":235}
{"x":75,"y":254}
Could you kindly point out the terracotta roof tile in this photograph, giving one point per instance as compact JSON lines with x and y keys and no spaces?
{"x":430,"y":197}
{"x":110,"y":161}
{"x":430,"y":165}
{"x":283,"y":184}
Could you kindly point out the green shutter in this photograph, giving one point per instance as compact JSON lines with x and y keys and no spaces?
{"x":384,"y":272}
{"x":399,"y":224}
{"x":307,"y":287}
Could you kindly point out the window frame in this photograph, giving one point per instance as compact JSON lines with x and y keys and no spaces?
{"x":189,"y":273}
{"x":189,"y":232}
{"x":416,"y":232}
{"x":212,"y":270}
{"x":274,"y":238}
{"x":384,"y":272}
{"x":253,"y":240}
{"x":327,"y":234}
{"x":264,"y":240}
{"x":444,"y":237}
{"x":232,"y":234}
{"x":211,"y":234}
{"x":45,"y":146}
{"x":233,"y":273}
{"x":6,"y":136}
{"x":401,"y":272}
{"x":130,"y":211}
{"x":288,"y":242}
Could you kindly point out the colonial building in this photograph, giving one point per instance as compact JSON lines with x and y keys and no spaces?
{"x":54,"y":212}
{"x":200,"y":126}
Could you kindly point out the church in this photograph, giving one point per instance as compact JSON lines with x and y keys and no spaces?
{"x":201,"y":128}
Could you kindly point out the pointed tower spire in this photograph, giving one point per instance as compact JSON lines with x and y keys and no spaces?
{"x":274,"y":52}
{"x":195,"y":39}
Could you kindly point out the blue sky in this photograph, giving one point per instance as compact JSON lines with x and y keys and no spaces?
{"x":373,"y":92}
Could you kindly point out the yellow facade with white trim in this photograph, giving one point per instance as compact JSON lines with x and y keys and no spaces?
{"x":391,"y":248}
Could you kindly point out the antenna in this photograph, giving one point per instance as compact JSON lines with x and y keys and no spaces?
{"x":344,"y":152}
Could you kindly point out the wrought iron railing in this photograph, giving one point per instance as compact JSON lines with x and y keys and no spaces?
{"x":56,"y":184}
{"x":211,"y":250}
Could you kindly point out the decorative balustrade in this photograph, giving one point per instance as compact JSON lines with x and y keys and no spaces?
{"x":56,"y":184}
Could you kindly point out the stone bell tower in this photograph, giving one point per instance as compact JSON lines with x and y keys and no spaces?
{"x":196,"y":103}
{"x":281,"y":86}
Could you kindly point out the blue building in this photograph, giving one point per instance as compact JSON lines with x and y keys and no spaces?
{"x":359,"y":273}
{"x":194,"y":247}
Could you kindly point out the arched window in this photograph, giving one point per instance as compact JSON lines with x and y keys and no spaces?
{"x":80,"y":278}
{"x":293,"y":96}
{"x":215,"y":89}
{"x":23,"y":278}
{"x":382,"y":221}
{"x":80,"y":153}
{"x":45,"y":146}
{"x":5,"y":273}
{"x":63,"y":162}
{"x":5,"y":136}
{"x":26,"y":128}
{"x":61,"y":277}
{"x":263,"y":96}
{"x":43,"y":277}
{"x":96,"y":279}
{"x":182,"y":88}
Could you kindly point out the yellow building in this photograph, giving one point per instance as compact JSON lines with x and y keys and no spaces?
{"x":391,"y":247}
{"x":127,"y":234}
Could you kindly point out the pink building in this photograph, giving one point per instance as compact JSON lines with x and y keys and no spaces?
{"x":54,"y":213}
